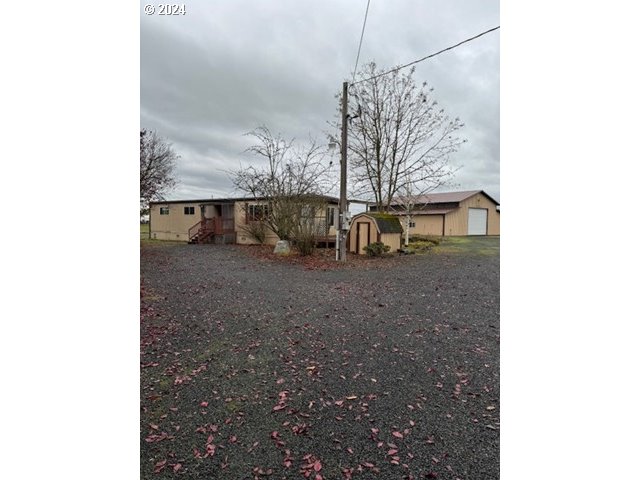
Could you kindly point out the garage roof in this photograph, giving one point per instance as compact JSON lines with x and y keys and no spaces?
{"x":443,"y":197}
{"x":432,"y":211}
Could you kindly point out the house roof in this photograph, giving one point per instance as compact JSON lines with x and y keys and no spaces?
{"x":385,"y":223}
{"x":442,"y":197}
{"x":231,"y":200}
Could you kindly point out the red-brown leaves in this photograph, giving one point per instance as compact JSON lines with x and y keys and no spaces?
{"x":159,"y":466}
{"x":157,"y":437}
{"x":282,"y":398}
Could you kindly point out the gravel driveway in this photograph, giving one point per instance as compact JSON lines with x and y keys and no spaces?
{"x":253,"y":368}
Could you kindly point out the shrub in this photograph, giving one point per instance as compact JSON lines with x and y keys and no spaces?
{"x":257,"y":230}
{"x":424,"y":238}
{"x":376,"y":249}
{"x":305,"y":244}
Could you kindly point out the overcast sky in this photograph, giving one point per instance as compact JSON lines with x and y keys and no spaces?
{"x":227,"y":67}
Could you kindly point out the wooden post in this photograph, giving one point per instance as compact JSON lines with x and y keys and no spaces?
{"x":342,"y":250}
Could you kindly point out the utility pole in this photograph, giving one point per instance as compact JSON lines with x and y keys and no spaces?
{"x":342,"y":218}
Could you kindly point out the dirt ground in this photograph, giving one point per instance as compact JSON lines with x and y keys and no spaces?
{"x":255,"y":367}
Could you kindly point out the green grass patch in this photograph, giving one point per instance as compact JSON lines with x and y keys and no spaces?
{"x":424,"y":238}
{"x":164,"y":385}
{"x":420,"y":246}
{"x":215,"y":348}
{"x":479,"y":245}
{"x":233,"y":406}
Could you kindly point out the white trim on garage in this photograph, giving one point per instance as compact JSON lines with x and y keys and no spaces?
{"x":477,"y":224}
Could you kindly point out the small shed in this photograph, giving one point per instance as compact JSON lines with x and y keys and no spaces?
{"x":369,"y":227}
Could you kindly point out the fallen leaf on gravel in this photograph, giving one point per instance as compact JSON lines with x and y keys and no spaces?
{"x":157,"y":438}
{"x":397,"y":435}
{"x":491,"y":407}
{"x":177,"y":467}
{"x":351,"y":397}
{"x":204,"y":404}
{"x":160,"y":466}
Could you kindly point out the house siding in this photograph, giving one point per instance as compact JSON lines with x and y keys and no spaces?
{"x":242,"y":236}
{"x":174,"y":226}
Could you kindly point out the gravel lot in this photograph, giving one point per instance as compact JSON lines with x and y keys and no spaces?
{"x":260,"y":368}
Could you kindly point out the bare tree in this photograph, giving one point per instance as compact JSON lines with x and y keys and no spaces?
{"x":157,"y":168}
{"x":399,"y":140}
{"x":288,"y":186}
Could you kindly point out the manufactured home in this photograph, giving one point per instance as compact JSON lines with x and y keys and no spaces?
{"x":226,"y":220}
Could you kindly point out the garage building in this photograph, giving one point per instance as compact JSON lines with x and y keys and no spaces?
{"x":449,"y":213}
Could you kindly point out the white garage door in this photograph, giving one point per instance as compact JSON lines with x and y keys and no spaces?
{"x":477,"y":221}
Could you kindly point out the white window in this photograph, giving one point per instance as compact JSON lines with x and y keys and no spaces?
{"x":164,"y":210}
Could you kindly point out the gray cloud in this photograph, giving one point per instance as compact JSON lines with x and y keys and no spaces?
{"x":225,"y":68}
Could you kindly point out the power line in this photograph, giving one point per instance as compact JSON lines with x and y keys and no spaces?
{"x":425,"y":58}
{"x":361,"y":37}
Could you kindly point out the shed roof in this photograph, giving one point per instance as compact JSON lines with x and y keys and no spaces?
{"x":385,"y":223}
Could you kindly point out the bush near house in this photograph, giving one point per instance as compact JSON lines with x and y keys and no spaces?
{"x":376,"y":249}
